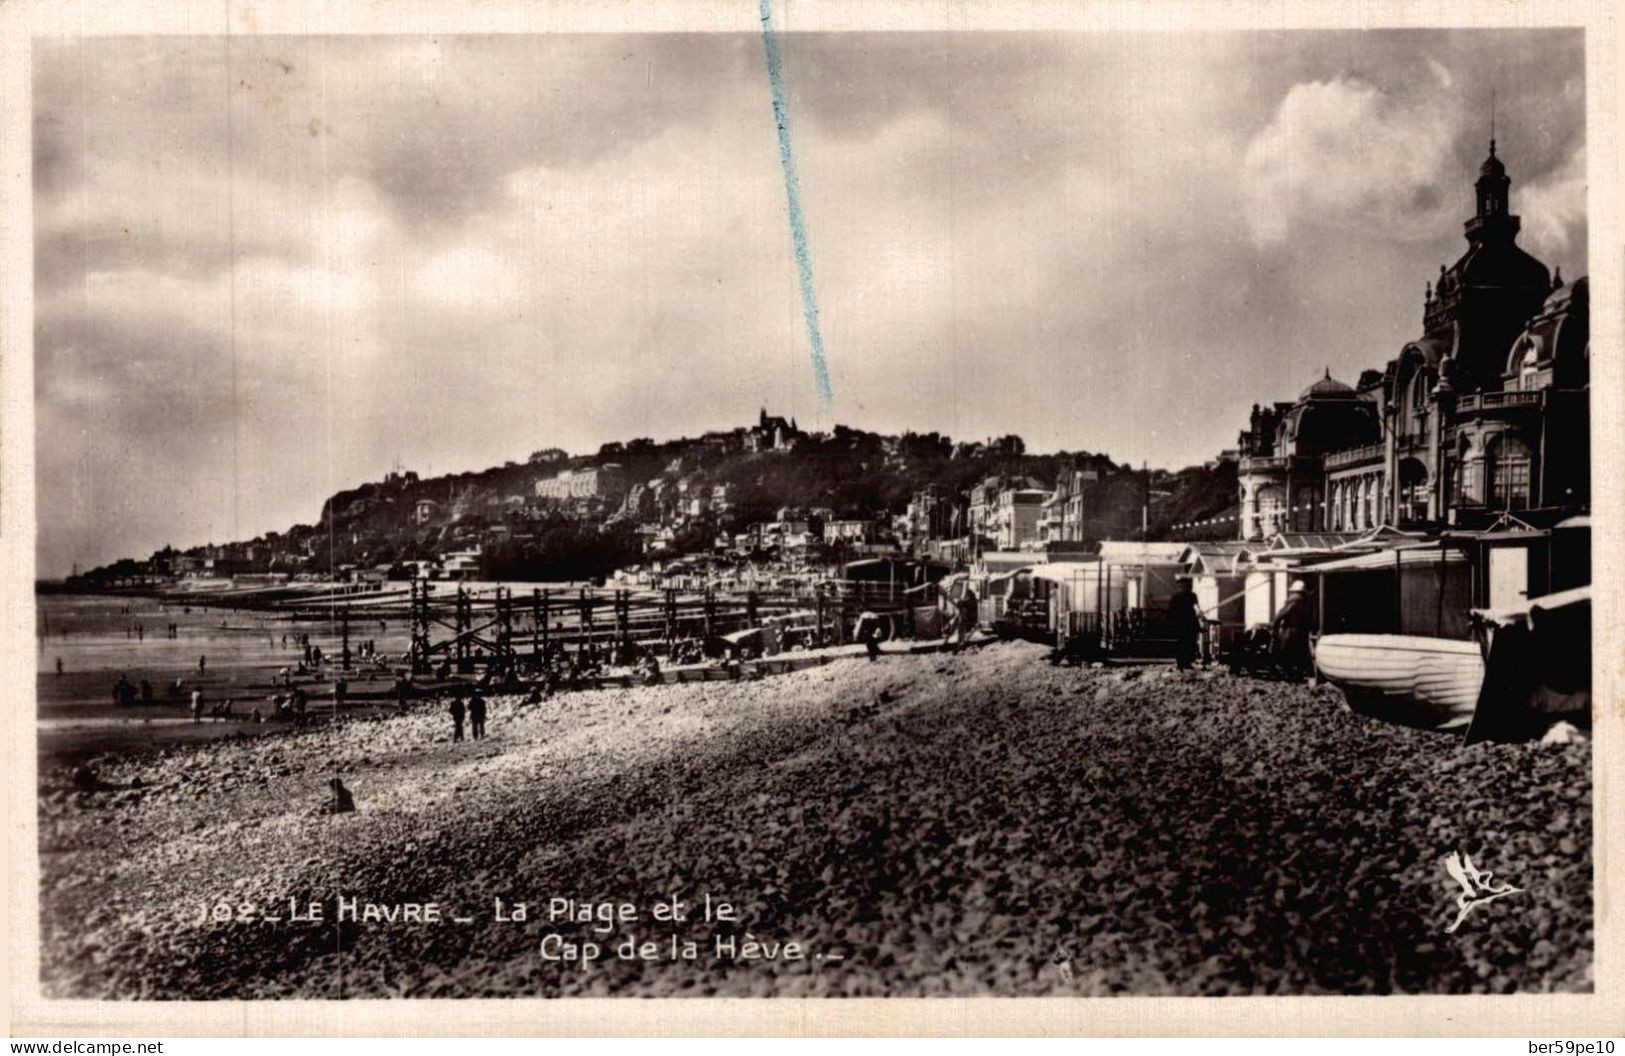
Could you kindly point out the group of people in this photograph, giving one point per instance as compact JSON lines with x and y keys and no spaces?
{"x":222,"y":710}
{"x":1288,"y":633}
{"x":124,"y":691}
{"x":293,"y":705}
{"x":474,"y":711}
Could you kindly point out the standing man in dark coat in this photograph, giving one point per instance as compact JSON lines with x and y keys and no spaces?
{"x":457,"y":713}
{"x":476,"y":715}
{"x":1291,"y":633}
{"x":1185,"y":618}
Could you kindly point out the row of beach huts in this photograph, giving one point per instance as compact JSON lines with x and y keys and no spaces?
{"x":1406,"y":623}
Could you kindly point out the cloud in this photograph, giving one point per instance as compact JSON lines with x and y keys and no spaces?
{"x":268,"y":268}
{"x":1553,"y":208}
{"x":1343,"y":155}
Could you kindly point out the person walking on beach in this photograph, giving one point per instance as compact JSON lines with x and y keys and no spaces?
{"x":59,"y":667}
{"x":197,"y":705}
{"x":1185,"y":621}
{"x":202,"y":662}
{"x":868,"y":632}
{"x":456,"y":710}
{"x":476,"y":715}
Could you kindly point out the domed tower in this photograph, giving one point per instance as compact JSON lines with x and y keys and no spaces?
{"x":1328,"y":416}
{"x":1282,"y":480}
{"x":1493,"y":219}
{"x":1483,"y":301}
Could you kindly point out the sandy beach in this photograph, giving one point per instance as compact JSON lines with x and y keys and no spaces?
{"x":981,"y":823}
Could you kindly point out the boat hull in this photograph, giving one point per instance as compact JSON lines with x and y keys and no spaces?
{"x":1424,"y":681}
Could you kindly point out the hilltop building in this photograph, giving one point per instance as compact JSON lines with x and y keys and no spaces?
{"x":772,"y":433}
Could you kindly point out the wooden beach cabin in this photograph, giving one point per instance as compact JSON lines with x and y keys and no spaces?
{"x":1081,"y":594}
{"x":1419,"y":589}
{"x":1148,"y":575}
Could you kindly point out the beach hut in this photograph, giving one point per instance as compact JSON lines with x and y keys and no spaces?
{"x":1569,"y":563}
{"x":1538,"y":666}
{"x":1419,"y":589}
{"x":1291,"y":555}
{"x":1515,"y":561}
{"x":996,"y":591}
{"x":1147,"y":574}
{"x":1219,"y":575}
{"x":1080,"y":592}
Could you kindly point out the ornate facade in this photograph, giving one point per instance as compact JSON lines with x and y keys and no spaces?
{"x":1487,"y":412}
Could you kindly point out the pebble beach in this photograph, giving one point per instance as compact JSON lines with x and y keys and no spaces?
{"x":980,"y":823}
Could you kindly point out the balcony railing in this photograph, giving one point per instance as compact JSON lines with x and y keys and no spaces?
{"x":1496,"y":401}
{"x":1258,"y":463}
{"x":1355,"y":456}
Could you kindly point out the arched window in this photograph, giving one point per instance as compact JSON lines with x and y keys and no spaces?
{"x":1417,"y":397}
{"x":1271,"y":502}
{"x":1467,"y":478}
{"x":1306,"y":501}
{"x":1506,"y":473}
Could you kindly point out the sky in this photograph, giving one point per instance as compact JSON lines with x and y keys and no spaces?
{"x":267,"y":268}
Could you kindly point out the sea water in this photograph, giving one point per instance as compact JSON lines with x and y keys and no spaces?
{"x":94,"y":637}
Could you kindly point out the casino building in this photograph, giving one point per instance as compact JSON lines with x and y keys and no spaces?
{"x":1486,"y":413}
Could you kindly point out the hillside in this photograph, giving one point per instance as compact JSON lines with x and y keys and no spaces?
{"x":688,"y":490}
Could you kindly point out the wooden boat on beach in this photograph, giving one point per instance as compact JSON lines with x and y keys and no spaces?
{"x":1433,"y":682}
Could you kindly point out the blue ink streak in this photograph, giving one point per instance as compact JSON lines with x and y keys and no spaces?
{"x":792,"y":191}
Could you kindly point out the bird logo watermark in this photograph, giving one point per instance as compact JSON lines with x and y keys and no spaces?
{"x":1476,"y":886}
